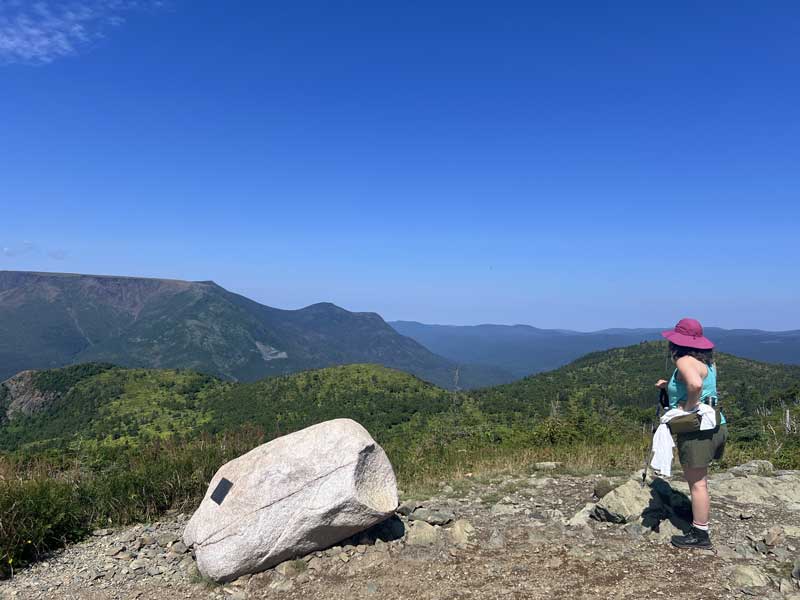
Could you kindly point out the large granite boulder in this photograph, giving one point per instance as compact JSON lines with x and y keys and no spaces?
{"x":297,"y":494}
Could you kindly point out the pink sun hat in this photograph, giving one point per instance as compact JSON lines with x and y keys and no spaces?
{"x":688,"y":333}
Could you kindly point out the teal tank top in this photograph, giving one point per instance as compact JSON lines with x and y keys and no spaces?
{"x":676,"y":390}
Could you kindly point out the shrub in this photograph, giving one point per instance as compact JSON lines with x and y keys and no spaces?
{"x":37,"y":516}
{"x":112,"y":487}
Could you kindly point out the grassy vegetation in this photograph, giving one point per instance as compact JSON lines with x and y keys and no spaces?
{"x":123,"y":445}
{"x":43,"y":506}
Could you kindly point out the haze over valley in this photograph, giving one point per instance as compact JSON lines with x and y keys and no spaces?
{"x":523,"y":349}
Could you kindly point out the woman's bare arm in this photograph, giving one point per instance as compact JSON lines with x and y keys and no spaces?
{"x":687,"y":367}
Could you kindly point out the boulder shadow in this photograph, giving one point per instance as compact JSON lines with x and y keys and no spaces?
{"x":389,"y":530}
{"x":667,"y":504}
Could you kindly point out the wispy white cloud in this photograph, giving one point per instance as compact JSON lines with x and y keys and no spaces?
{"x":21,"y":249}
{"x":16,"y":250}
{"x":40,"y":32}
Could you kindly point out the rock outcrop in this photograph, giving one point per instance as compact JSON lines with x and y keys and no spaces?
{"x":297,"y":494}
{"x":656,"y":506}
{"x":754,"y":467}
{"x":21,"y":397}
{"x":633,"y":501}
{"x":758,"y":489}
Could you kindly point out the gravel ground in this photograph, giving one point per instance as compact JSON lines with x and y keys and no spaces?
{"x":508,"y":537}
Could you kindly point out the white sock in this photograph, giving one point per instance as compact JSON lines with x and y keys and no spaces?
{"x":697,"y":525}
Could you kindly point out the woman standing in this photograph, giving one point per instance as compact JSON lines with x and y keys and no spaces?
{"x":694,"y":381}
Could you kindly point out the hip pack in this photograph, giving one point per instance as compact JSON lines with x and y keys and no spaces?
{"x":690,"y":423}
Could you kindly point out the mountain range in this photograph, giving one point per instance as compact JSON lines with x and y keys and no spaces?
{"x":524,"y":350}
{"x":54,"y":319}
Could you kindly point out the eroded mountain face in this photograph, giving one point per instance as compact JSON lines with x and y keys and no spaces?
{"x":19,"y":395}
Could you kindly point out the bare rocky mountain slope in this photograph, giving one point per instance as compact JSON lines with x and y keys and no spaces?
{"x":528,"y":536}
{"x":53,"y":319}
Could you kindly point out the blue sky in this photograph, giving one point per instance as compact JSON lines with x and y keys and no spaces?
{"x":572,"y":164}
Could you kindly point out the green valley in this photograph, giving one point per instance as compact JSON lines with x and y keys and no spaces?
{"x":103,"y":405}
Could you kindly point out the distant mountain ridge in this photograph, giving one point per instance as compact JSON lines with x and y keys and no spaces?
{"x":525,"y":350}
{"x":53,"y":319}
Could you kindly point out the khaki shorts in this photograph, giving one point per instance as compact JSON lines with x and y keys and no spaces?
{"x":699,"y":448}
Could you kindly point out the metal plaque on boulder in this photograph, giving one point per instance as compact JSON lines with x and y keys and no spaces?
{"x":222,"y":489}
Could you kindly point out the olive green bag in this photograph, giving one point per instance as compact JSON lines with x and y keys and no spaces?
{"x":685,"y":424}
{"x":689,"y":423}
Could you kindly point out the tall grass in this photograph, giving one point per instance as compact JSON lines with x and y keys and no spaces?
{"x":42,"y":508}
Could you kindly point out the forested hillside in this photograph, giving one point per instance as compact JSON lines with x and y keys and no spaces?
{"x":121,"y":408}
{"x":608,"y":394}
{"x":622,"y":380}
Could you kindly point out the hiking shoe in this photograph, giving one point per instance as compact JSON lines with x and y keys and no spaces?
{"x":696,"y":538}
